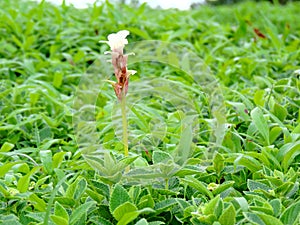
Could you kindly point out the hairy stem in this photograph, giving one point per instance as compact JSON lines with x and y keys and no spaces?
{"x":166,"y":183}
{"x":124,"y":124}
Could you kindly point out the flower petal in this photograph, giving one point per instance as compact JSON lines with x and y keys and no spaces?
{"x":131,"y":72}
{"x":123,"y":33}
{"x":118,"y":40}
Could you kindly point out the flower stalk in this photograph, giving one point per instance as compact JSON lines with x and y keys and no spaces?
{"x":117,"y":42}
{"x":124,"y":124}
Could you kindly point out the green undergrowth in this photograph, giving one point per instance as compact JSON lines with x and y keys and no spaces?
{"x":179,"y":173}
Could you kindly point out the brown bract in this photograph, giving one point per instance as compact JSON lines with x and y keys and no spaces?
{"x":119,"y":62}
{"x":117,"y":43}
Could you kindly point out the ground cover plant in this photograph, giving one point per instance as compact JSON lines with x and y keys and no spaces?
{"x":61,"y":154}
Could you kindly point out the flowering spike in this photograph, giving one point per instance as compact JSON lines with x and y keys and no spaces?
{"x":117,"y":42}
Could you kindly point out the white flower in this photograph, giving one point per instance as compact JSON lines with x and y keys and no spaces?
{"x":117,"y":41}
{"x":131,"y":72}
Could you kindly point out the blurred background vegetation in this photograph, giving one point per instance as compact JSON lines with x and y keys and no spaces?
{"x":220,"y":2}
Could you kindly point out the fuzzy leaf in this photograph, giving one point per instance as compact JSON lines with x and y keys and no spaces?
{"x":6,"y":147}
{"x":142,"y":222}
{"x":254,"y":185}
{"x":80,"y":212}
{"x":228,"y":217}
{"x":270,"y":220}
{"x":161,"y":157}
{"x":124,"y":209}
{"x":260,"y":123}
{"x":118,"y":197}
{"x":38,"y":203}
{"x":198,"y":185}
{"x":58,"y":220}
{"x":290,"y":215}
{"x":164,"y":205}
{"x":60,"y":211}
{"x":24,"y":181}
{"x":46,"y":158}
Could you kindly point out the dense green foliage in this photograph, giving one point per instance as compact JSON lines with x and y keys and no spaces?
{"x":218,"y":2}
{"x":251,"y":177}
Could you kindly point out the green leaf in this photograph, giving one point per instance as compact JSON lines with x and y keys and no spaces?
{"x":125,"y":162}
{"x":212,"y":206}
{"x":209,"y":219}
{"x":140,"y":33}
{"x":161,"y":157}
{"x":80,"y":212}
{"x":259,"y":99}
{"x":260,"y":123}
{"x":279,"y":111}
{"x":198,"y":185}
{"x":6,"y":147}
{"x":101,"y":188}
{"x":58,"y":220}
{"x":274,"y":38}
{"x":287,"y":135}
{"x":297,"y":129}
{"x":268,"y":154}
{"x":66,"y":201}
{"x":146,"y":201}
{"x":274,"y":134}
{"x":142,"y":222}
{"x":60,"y":211}
{"x":24,"y":181}
{"x":38,"y":203}
{"x":79,"y":56}
{"x":228,"y":217}
{"x":100,"y":221}
{"x":164,"y":205}
{"x":36,"y":216}
{"x":249,"y":162}
{"x":287,"y":154}
{"x":223,"y":187}
{"x":71,"y":190}
{"x":10,"y":219}
{"x":285,"y":188}
{"x":46,"y":158}
{"x":270,"y":220}
{"x":255,"y":219}
{"x":294,"y":190}
{"x":144,"y":173}
{"x":6,"y":167}
{"x":76,"y":189}
{"x":290,"y":215}
{"x":118,"y":197}
{"x":58,"y":158}
{"x":4,"y":191}
{"x":241,"y":110}
{"x":184,"y":171}
{"x":241,"y":31}
{"x":276,"y":205}
{"x":80,"y":188}
{"x":242,"y":203}
{"x":184,"y":148}
{"x":124,"y":209}
{"x":156,"y":223}
{"x":266,"y":209}
{"x":254,"y":185}
{"x":128,"y":217}
{"x":95,"y":195}
{"x":218,"y":162}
